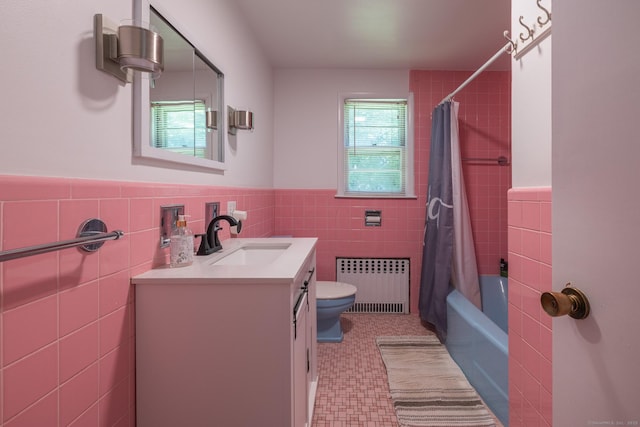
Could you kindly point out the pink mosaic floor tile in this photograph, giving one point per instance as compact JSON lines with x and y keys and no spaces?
{"x":352,"y":388}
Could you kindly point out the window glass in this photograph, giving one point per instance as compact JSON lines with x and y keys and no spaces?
{"x":375,"y":148}
{"x":179,"y":126}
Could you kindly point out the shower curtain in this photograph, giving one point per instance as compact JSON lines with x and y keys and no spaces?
{"x":448,"y":258}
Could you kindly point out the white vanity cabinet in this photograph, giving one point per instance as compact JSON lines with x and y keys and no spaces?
{"x":235,"y":349}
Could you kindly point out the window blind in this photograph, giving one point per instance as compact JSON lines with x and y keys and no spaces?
{"x":179,"y":126}
{"x":375,"y":142}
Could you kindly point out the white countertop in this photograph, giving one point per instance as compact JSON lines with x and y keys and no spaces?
{"x":202,"y":271}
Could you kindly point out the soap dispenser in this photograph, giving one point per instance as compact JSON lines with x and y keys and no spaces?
{"x":181,"y":246}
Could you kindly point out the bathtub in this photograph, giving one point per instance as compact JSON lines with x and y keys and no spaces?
{"x":478,"y":342}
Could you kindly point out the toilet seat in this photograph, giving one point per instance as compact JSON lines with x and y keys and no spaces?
{"x":334,"y":290}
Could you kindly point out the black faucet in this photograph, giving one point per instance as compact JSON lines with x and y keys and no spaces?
{"x":210,"y":242}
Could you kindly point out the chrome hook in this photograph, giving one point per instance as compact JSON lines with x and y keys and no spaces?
{"x":529,"y":30}
{"x":514,"y":45}
{"x":540,"y":17}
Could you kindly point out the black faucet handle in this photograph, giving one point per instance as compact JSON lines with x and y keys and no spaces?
{"x":204,"y":248}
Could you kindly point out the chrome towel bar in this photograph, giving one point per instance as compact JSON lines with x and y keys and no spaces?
{"x":91,"y":236}
{"x":502,"y":160}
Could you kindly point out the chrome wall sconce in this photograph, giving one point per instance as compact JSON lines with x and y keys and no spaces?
{"x":239,"y":119}
{"x":211,"y":119}
{"x":126,"y":48}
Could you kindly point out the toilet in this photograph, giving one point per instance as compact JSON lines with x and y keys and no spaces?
{"x":332,"y":298}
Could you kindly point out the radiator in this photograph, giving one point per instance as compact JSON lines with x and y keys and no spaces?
{"x":383,"y":283}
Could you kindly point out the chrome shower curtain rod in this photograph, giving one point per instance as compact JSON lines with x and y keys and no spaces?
{"x":505,"y":49}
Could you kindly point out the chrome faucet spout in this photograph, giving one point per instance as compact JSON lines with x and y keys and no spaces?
{"x":210,"y":242}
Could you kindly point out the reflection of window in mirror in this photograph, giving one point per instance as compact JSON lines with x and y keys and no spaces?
{"x":179,"y":126}
{"x":189,"y":86}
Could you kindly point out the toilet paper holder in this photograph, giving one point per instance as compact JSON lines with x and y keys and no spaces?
{"x":372,"y":218}
{"x":570,"y":300}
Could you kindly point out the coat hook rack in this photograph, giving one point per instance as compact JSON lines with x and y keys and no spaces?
{"x":530,"y":31}
{"x":532,"y":36}
{"x":547,"y":19}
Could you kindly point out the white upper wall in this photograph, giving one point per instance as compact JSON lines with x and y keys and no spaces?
{"x":306,"y":120}
{"x":62,"y":117}
{"x":530,"y":104}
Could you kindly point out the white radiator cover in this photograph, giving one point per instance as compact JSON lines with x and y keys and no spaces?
{"x":383,"y":283}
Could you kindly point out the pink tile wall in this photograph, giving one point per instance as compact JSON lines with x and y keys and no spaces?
{"x":339,"y":225}
{"x":530,"y":393}
{"x":67,"y":349}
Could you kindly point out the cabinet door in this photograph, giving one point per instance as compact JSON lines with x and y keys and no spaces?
{"x":300,"y":363}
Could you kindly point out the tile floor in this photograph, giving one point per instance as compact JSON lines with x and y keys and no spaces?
{"x":352,"y":389}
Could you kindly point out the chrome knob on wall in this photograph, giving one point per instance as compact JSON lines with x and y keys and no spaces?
{"x":570,"y":300}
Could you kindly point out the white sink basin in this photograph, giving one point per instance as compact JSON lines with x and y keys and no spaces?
{"x":254,"y":254}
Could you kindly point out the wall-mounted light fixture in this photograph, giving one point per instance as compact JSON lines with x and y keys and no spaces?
{"x":239,"y":119}
{"x":212,"y":119}
{"x":128,"y":47}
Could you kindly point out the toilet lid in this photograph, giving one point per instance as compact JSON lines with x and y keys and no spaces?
{"x":334,"y":290}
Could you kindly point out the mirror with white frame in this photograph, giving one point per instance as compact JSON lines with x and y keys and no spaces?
{"x":178,"y":116}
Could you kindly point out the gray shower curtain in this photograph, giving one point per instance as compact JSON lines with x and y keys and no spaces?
{"x":438,"y":234}
{"x":449,"y":257}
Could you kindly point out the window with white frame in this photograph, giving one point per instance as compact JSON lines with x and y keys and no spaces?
{"x":179,"y":126}
{"x":376,"y":148}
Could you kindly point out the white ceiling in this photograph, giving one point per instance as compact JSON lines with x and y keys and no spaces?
{"x":417,"y":34}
